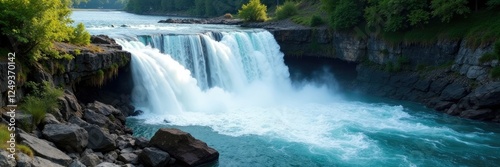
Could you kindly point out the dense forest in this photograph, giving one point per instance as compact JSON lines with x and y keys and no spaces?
{"x":203,"y":8}
{"x":100,"y":4}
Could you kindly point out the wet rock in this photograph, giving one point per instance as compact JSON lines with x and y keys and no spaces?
{"x":482,"y":114}
{"x":70,"y":138}
{"x":141,"y":142}
{"x":137,"y":113}
{"x":454,"y":91}
{"x":154,"y":157}
{"x":486,"y":95}
{"x":100,"y":140}
{"x":443,"y":105}
{"x":45,"y":150}
{"x":184,"y":147}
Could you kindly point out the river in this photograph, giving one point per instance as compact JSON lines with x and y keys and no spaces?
{"x":230,"y":87}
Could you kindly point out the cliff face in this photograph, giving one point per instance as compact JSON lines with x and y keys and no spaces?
{"x":445,"y":75}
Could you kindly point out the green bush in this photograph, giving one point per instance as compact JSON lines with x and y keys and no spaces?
{"x":38,"y":102}
{"x":316,"y":21}
{"x":286,"y":10}
{"x":495,"y":72}
{"x":253,"y":11}
{"x":5,"y":136}
{"x":80,"y":36}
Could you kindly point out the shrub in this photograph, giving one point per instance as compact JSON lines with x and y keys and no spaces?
{"x":97,"y":79}
{"x":253,"y":11}
{"x":286,"y":10}
{"x":228,"y":16}
{"x":25,"y":149}
{"x":80,"y":36}
{"x":316,"y":21}
{"x":39,"y":101}
{"x":495,"y":72}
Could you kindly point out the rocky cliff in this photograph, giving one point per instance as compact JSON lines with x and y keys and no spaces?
{"x":446,"y":75}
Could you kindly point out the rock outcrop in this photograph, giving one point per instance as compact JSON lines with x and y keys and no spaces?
{"x":451,"y":78}
{"x":70,"y":138}
{"x":184,"y":147}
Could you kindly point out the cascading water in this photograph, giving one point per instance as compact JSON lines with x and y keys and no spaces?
{"x":232,"y":90}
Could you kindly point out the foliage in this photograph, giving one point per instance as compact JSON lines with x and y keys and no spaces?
{"x":396,"y":15}
{"x":446,"y":9}
{"x":286,"y":10}
{"x":80,"y":36}
{"x":493,"y":3}
{"x":97,"y":79}
{"x":25,"y":149}
{"x":228,"y":16}
{"x":495,"y":55}
{"x":33,"y":25}
{"x":495,"y":72}
{"x":99,"y":4}
{"x":43,"y":98}
{"x":253,"y":11}
{"x":316,"y":21}
{"x":344,"y":14}
{"x":5,"y":136}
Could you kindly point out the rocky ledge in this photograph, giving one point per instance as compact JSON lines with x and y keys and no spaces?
{"x":88,"y":130}
{"x":215,"y":20}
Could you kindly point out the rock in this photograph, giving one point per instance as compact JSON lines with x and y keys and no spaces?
{"x":128,"y":158}
{"x":95,"y":118}
{"x":70,"y":138}
{"x":102,"y":39}
{"x":443,"y":105}
{"x":184,"y":147}
{"x":77,"y":163}
{"x":69,"y":105}
{"x":475,"y":71}
{"x":141,"y":142}
{"x":23,"y":160}
{"x":102,"y":108}
{"x":49,"y":119}
{"x":78,"y":121}
{"x":137,"y":113}
{"x":41,"y":162}
{"x":22,"y":120}
{"x":454,"y":91}
{"x":453,"y":110}
{"x":43,"y":149}
{"x":154,"y":157}
{"x":90,"y":159}
{"x":5,"y":161}
{"x":100,"y":140}
{"x":111,"y":156}
{"x":482,"y":114}
{"x":486,"y":95}
{"x":107,"y":164}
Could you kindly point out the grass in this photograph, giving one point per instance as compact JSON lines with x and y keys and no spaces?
{"x":43,"y":98}
{"x":97,"y":79}
{"x":309,"y":11}
{"x":5,"y":136}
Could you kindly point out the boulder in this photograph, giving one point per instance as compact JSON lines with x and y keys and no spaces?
{"x":154,"y":157}
{"x":137,"y":113}
{"x":23,"y":121}
{"x":184,"y":147}
{"x":90,"y":159}
{"x":481,"y":114}
{"x":100,"y":140}
{"x":70,"y":138}
{"x":23,"y":160}
{"x":95,"y":118}
{"x":44,"y":149}
{"x":78,"y":121}
{"x":102,"y":108}
{"x":5,"y":161}
{"x":77,"y":163}
{"x":141,"y":142}
{"x":485,"y":95}
{"x":454,"y":91}
{"x":41,"y":162}
{"x":107,"y":164}
{"x":111,"y":156}
{"x":128,"y":158}
{"x":50,"y":119}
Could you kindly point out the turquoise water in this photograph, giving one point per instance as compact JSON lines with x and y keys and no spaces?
{"x":420,"y":137}
{"x":235,"y":94}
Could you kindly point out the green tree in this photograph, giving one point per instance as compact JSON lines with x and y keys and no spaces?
{"x":80,"y":35}
{"x":253,"y":11}
{"x":286,"y":10}
{"x":31,"y":26}
{"x":397,"y":15}
{"x":447,"y":9}
{"x":493,"y":3}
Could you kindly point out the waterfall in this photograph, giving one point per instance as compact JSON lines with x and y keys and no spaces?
{"x":201,"y":72}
